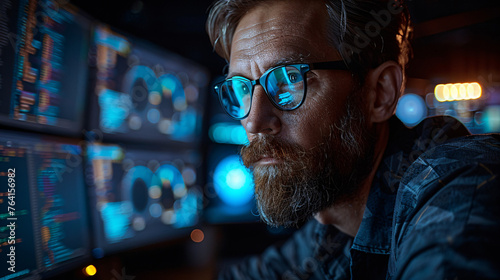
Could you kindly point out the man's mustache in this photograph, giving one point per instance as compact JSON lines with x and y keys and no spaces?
{"x":268,"y":146}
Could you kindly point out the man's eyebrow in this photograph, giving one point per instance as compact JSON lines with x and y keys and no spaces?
{"x":236,"y":74}
{"x":296,"y":58}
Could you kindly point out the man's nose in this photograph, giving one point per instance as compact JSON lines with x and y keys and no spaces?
{"x":263,"y":117}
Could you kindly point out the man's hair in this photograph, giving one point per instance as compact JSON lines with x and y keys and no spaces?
{"x":366,"y":33}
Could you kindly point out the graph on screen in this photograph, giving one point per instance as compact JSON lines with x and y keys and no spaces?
{"x":140,"y":197}
{"x":144,"y":93}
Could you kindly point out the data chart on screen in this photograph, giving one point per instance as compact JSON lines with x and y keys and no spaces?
{"x":141,"y":197}
{"x":143,"y":93}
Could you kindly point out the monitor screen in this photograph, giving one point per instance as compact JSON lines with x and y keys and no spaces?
{"x":44,"y":228}
{"x":140,"y":197}
{"x":142,"y":93}
{"x":43,"y":66}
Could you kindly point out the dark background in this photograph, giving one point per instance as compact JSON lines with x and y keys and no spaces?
{"x":454,"y":40}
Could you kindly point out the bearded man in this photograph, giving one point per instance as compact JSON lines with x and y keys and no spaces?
{"x":315,"y":85}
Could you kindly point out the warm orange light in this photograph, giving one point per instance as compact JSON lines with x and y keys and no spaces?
{"x":197,"y":235}
{"x":90,"y":270}
{"x":453,"y":92}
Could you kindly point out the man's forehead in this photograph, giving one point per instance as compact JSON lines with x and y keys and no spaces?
{"x":285,"y":17}
{"x":279,"y":33}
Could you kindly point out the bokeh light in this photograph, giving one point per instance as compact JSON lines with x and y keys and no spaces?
{"x":460,"y":91}
{"x":228,"y":133}
{"x":491,"y":118}
{"x":411,"y":109}
{"x":90,"y":270}
{"x":232,"y":181}
{"x":197,"y":235}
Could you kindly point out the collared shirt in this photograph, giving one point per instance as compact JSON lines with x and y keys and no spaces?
{"x":433,"y":212}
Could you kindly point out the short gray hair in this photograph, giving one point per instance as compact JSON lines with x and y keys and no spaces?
{"x":366,"y":33}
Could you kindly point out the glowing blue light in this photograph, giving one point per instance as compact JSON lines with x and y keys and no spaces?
{"x":116,"y":221}
{"x":232,"y":182}
{"x":186,"y":125}
{"x":114,"y":109}
{"x":218,"y":133}
{"x":238,"y":135}
{"x":186,"y":211}
{"x":170,"y":175}
{"x":492,"y":118}
{"x":105,"y":38}
{"x":104,"y":152}
{"x":228,"y":133}
{"x":411,"y":109}
{"x":170,"y":83}
{"x":235,"y":179}
{"x":286,"y":98}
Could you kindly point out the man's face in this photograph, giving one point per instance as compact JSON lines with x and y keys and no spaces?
{"x":303,"y":160}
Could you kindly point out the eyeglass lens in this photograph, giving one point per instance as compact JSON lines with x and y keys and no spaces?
{"x":284,"y":86}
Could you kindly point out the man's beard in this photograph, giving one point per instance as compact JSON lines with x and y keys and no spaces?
{"x":306,"y":181}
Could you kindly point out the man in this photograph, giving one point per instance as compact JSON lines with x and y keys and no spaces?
{"x":315,"y":85}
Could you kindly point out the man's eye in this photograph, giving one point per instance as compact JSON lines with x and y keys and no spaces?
{"x":293,"y":77}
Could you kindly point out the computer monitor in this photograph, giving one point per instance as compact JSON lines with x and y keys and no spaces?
{"x":142,"y":93}
{"x":44,"y":226}
{"x":140,"y":197}
{"x":43,"y":66}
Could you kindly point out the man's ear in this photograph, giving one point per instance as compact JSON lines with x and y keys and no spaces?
{"x":384,"y":84}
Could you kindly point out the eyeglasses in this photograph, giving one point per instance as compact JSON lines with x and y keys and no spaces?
{"x":284,"y":85}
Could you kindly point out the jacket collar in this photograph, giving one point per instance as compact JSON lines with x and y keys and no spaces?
{"x":374,"y":234}
{"x":405,"y":146}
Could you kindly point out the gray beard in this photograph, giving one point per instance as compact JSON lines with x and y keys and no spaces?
{"x":308,"y":181}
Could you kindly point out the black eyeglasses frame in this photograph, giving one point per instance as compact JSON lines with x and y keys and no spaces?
{"x":302,"y":67}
